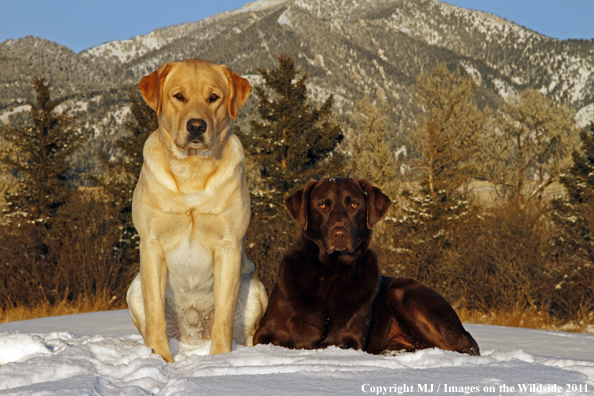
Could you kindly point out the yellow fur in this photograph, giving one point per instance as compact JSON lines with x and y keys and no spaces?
{"x":191,"y":207}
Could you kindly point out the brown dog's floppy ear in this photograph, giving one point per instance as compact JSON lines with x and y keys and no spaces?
{"x":378,"y":203}
{"x":298,"y":203}
{"x":239,"y":90}
{"x":151,"y":87}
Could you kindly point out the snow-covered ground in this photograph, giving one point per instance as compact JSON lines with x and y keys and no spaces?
{"x":102,"y":354}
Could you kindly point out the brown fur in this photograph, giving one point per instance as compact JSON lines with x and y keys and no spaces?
{"x":329,"y":291}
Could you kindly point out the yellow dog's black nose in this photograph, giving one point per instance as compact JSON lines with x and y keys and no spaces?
{"x":196,"y":127}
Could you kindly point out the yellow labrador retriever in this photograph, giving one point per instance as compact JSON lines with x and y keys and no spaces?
{"x":191,"y":207}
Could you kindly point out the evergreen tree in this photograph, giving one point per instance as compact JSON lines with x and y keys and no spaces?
{"x":447,"y":139}
{"x":39,"y":156}
{"x":122,"y":173}
{"x":574,"y":240}
{"x":579,"y":181}
{"x":575,"y":213}
{"x":294,"y":141}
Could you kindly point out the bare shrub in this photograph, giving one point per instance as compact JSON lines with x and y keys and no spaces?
{"x":83,"y":244}
{"x":270,"y":234}
{"x":74,"y":259}
{"x":24,"y":268}
{"x":501,"y":262}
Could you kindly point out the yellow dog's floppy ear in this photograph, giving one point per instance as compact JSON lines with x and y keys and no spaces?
{"x":298,"y":203}
{"x":239,"y":90}
{"x":151,"y":87}
{"x":378,"y":203}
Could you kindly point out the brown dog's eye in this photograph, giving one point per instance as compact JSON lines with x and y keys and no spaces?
{"x":213,"y":98}
{"x":179,"y":96}
{"x":322,"y":205}
{"x":355,"y":205}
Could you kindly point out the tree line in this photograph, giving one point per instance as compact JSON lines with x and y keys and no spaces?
{"x":516,"y":251}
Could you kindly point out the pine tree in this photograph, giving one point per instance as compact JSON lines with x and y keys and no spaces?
{"x":579,"y":181}
{"x":294,"y":141}
{"x":39,"y":156}
{"x":574,"y":240}
{"x":122,"y":173}
{"x":575,"y":213}
{"x":447,"y":139}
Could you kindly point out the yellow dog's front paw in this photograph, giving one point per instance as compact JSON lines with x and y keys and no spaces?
{"x":164,"y":351}
{"x":217,"y":348}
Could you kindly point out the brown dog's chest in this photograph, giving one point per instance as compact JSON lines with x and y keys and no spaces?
{"x":331,"y":289}
{"x":334,"y":291}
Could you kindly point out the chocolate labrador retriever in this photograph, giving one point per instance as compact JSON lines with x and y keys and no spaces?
{"x":329,"y":290}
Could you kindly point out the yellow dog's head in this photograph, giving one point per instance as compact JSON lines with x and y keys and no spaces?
{"x":195,"y":101}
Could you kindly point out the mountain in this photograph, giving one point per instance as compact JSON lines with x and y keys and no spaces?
{"x":348,"y":48}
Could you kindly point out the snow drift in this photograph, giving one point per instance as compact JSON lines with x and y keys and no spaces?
{"x":102,"y":354}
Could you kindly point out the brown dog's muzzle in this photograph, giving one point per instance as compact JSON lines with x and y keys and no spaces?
{"x":340,"y":238}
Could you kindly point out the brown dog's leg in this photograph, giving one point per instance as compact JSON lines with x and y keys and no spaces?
{"x":413,"y":314}
{"x":348,"y":331}
{"x":287,"y":326}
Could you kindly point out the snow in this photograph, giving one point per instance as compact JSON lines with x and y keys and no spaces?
{"x":4,"y":117}
{"x":585,"y":116}
{"x":121,"y":114}
{"x":506,"y":91}
{"x":126,"y":50}
{"x":284,"y":20}
{"x":76,"y":106}
{"x":261,"y":5}
{"x":472,"y":72}
{"x":103,"y":354}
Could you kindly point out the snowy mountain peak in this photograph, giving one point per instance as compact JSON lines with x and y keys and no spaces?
{"x":348,"y":48}
{"x":261,"y":5}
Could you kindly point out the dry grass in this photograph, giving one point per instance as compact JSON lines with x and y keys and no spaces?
{"x":528,"y":320}
{"x":484,"y":193}
{"x":95,"y":304}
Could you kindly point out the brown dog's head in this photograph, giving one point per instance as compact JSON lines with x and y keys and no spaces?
{"x":338,"y":213}
{"x":195,"y":101}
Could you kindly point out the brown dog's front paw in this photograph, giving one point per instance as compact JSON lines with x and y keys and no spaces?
{"x":347,"y":343}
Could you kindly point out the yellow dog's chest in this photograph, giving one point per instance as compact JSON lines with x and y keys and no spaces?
{"x":190,"y":264}
{"x":189,"y":241}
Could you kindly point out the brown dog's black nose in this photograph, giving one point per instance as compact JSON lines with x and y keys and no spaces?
{"x":196,"y":127}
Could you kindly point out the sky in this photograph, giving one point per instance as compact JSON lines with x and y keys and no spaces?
{"x":83,"y":24}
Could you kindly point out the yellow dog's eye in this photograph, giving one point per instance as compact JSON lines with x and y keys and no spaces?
{"x":213,"y":98}
{"x":179,"y":96}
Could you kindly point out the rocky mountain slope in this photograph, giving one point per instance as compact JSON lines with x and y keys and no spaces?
{"x":348,"y":48}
